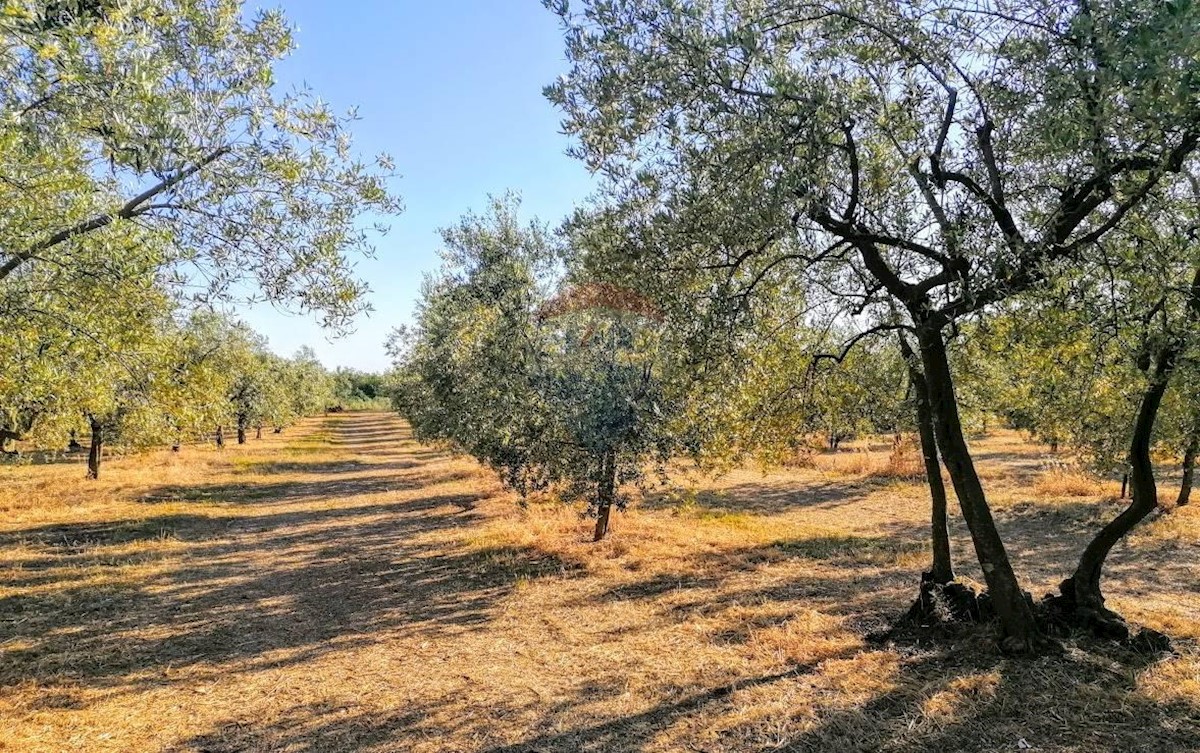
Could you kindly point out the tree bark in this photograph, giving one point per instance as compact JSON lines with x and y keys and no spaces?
{"x":1019,"y":630}
{"x":1082,"y":589}
{"x":221,"y":437}
{"x":6,"y":436}
{"x":97,"y":448}
{"x":1189,"y":468}
{"x":258,"y":432}
{"x":942,"y":571}
{"x":605,"y":493}
{"x":242,"y":425}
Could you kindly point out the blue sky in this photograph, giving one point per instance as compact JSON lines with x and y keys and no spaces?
{"x":452,"y":90}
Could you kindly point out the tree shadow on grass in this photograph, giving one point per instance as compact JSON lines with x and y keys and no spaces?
{"x":962,"y":700}
{"x":308,"y":729}
{"x":957,"y":700}
{"x":854,"y":578}
{"x":776,"y":498}
{"x":291,"y":585}
{"x":328,"y":466}
{"x":334,"y":485}
{"x":384,"y":440}
{"x":967,"y":700}
{"x":313,"y":728}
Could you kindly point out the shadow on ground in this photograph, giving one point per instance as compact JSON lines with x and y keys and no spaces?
{"x":263,"y":579}
{"x":987,"y":703}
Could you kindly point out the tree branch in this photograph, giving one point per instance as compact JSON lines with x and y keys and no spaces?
{"x":130,"y":209}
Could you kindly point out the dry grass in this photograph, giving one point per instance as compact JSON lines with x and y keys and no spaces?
{"x":899,"y":460}
{"x":1063,"y":482}
{"x":342,"y":588}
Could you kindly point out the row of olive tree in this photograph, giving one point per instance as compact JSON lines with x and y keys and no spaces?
{"x":160,"y":380}
{"x":150,"y":166}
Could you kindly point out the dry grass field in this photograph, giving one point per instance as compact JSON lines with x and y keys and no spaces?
{"x":343,"y":588}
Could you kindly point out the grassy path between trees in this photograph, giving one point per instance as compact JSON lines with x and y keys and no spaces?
{"x":343,"y":588}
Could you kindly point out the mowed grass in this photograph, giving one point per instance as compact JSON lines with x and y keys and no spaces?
{"x":343,"y":588}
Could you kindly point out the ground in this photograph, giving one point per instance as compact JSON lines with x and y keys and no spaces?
{"x":342,"y":588}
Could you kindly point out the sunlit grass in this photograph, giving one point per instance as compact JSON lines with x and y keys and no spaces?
{"x":314,"y":591}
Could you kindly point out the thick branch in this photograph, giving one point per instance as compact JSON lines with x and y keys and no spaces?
{"x":130,"y":209}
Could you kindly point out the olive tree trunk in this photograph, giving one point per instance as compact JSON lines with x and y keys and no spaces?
{"x":1189,"y":468}
{"x":1083,"y":589}
{"x":242,"y":425}
{"x":1015,"y":612}
{"x":942,"y":571}
{"x":221,"y":436}
{"x":606,"y":489}
{"x":96,"y":450}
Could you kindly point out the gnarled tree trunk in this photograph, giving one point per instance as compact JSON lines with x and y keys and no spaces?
{"x":1083,"y":589}
{"x":221,"y":437}
{"x":96,"y":450}
{"x":242,"y":425}
{"x":606,"y":488}
{"x":1019,"y":630}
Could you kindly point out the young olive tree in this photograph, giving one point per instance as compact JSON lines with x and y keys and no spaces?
{"x":549,"y":390}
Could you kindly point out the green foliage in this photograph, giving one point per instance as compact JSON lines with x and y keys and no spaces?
{"x":542,"y":386}
{"x":910,"y":164}
{"x":1066,"y":383}
{"x":164,"y":114}
{"x":359,"y":389}
{"x":149,"y":167}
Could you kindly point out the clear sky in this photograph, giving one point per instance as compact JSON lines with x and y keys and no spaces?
{"x":452,"y":90}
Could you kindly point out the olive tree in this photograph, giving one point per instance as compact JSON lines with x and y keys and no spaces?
{"x":917,"y":154}
{"x":549,"y":385}
{"x":166,"y":115}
